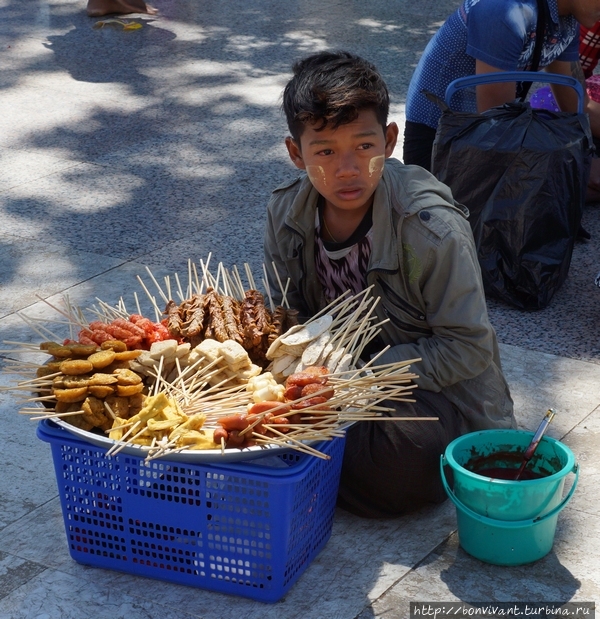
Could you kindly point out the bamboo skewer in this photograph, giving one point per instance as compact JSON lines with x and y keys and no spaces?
{"x":281,"y":288}
{"x":43,"y":332}
{"x":251,"y":282}
{"x":152,"y":299}
{"x":267,"y":289}
{"x":239,"y":282}
{"x":205,"y":274}
{"x":56,"y":415}
{"x":20,"y":344}
{"x":68,"y":316}
{"x":160,"y":290}
{"x":179,"y":289}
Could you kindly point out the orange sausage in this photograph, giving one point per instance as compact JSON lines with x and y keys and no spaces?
{"x":220,"y":433}
{"x":278,"y":408}
{"x":293,"y":392}
{"x":259,"y":428}
{"x":303,"y":378}
{"x":282,"y":423}
{"x":234,"y":422}
{"x":298,"y":406}
{"x":295,"y":419}
{"x":326,"y":392}
{"x":235,"y":440}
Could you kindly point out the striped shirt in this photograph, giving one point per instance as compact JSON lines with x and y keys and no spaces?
{"x":343,"y":266}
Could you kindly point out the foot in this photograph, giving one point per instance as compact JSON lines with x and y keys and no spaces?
{"x":98,"y":8}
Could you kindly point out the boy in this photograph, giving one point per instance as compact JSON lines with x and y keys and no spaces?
{"x":359,"y":218}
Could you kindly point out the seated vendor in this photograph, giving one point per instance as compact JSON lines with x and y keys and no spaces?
{"x":98,"y":8}
{"x":356,"y":218}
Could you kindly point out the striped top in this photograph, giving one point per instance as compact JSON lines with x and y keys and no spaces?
{"x":343,"y":266}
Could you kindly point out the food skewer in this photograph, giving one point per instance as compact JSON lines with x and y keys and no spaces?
{"x":56,"y":415}
{"x":70,"y":317}
{"x":42,"y":331}
{"x":283,"y":290}
{"x":360,"y":394}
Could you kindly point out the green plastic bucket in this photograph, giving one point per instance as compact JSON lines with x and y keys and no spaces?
{"x":507,"y":522}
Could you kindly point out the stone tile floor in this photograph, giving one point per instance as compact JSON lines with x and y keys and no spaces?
{"x":125,"y":149}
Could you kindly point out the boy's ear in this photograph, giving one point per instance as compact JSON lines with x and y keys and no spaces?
{"x":295,"y":153}
{"x":391,"y":137}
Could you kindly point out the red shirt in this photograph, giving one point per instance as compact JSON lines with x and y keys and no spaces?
{"x":589,"y":48}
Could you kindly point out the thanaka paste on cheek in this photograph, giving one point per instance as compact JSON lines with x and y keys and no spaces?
{"x":376,"y":165}
{"x":316,"y":174}
{"x":375,"y":170}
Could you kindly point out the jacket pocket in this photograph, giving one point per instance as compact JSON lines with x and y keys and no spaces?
{"x":402,"y":315}
{"x":401,"y":303}
{"x":404,"y":325}
{"x":414,"y":312}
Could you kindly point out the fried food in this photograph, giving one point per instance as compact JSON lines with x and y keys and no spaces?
{"x":47,"y":370}
{"x":72,"y":382}
{"x":100,"y":391}
{"x":118,"y":405}
{"x":102,"y":358}
{"x":127,"y":377}
{"x":76,"y":367}
{"x":79,"y":384}
{"x":63,"y":352}
{"x":116,"y":345}
{"x":70,"y":395}
{"x":127,"y":355}
{"x":129,"y":390}
{"x":137,"y":332}
{"x":197,"y":439}
{"x":94,"y":413}
{"x":101,"y":378}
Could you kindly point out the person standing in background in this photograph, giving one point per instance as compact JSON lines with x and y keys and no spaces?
{"x":99,"y":8}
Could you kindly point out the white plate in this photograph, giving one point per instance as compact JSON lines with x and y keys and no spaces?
{"x":213,"y":456}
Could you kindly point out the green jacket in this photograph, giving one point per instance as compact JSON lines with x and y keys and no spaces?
{"x":424,"y":268}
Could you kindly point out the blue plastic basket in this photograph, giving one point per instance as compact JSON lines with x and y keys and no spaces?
{"x":245,"y":528}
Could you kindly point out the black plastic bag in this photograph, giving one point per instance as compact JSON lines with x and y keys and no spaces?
{"x":522,"y":173}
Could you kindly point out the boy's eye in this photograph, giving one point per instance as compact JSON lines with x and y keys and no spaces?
{"x":325,"y":151}
{"x":365,"y":146}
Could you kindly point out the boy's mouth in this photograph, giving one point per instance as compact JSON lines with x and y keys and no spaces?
{"x":349,"y":193}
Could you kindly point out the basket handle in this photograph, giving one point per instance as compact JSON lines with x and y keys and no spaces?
{"x":506,"y":524}
{"x":515,"y":76}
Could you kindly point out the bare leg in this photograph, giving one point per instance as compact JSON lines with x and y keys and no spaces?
{"x":98,"y":8}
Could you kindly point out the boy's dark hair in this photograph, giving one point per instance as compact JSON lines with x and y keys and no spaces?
{"x":331,"y":88}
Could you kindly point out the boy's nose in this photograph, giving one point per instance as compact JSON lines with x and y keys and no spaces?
{"x":347,"y":166}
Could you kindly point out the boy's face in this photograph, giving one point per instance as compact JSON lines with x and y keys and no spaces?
{"x":345,"y":164}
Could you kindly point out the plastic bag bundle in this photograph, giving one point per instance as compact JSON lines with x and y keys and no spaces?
{"x":522,"y":173}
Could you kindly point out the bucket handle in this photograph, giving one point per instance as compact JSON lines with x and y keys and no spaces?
{"x":506,"y":524}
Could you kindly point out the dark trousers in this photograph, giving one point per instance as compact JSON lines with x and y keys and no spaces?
{"x":418,"y":144}
{"x":391,"y":468}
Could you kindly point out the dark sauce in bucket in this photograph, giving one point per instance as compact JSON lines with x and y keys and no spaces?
{"x":502,"y":473}
{"x":502,"y":465}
